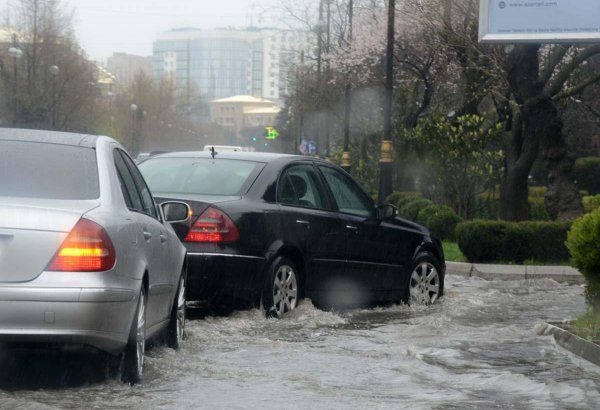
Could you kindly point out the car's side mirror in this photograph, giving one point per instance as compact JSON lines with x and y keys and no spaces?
{"x":385,"y":212}
{"x":175,"y":211}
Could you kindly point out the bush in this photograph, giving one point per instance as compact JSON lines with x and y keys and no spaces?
{"x":395,"y":197}
{"x":537,"y":209}
{"x":591,"y":203}
{"x":409,"y":197}
{"x":498,"y":241}
{"x":537,"y":191}
{"x":587,"y":174}
{"x":584,"y":244}
{"x":486,"y":207}
{"x":411,"y":209}
{"x":441,"y":220}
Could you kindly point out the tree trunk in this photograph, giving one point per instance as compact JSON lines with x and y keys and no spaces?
{"x":539,"y":125}
{"x":521,"y":145}
{"x":514,"y":193}
{"x":563,"y":200}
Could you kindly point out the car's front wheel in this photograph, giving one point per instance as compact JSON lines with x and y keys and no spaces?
{"x":176,"y":328}
{"x":426,"y":283}
{"x":280,"y":293}
{"x":133,"y":362}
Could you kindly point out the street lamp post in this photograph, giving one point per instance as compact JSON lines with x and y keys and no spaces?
{"x":54,"y":71}
{"x":134,"y":138}
{"x":15,"y":53}
{"x":386,"y":161}
{"x":346,"y":157}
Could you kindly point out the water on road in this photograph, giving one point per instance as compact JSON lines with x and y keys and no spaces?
{"x":476,"y":348}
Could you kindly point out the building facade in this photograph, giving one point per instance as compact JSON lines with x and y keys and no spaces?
{"x":126,"y":66}
{"x":244,"y":113}
{"x":225,"y":63}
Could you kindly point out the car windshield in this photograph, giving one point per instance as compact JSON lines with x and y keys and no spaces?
{"x":48,"y":171}
{"x":202,"y":176}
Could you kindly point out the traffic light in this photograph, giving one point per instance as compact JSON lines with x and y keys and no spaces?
{"x":271,"y":133}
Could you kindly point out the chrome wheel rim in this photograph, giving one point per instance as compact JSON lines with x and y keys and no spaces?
{"x":141,"y":333}
{"x":424,"y":284}
{"x":181,"y":309}
{"x":285,"y":290}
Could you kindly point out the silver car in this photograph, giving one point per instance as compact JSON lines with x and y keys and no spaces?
{"x":86,"y":257}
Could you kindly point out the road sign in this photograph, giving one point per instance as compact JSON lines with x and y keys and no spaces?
{"x":271,"y":133}
{"x":308,"y":147}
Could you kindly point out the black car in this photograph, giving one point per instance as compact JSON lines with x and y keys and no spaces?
{"x":271,"y":229}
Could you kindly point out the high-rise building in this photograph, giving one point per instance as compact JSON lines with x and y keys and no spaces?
{"x":227,"y":62}
{"x":126,"y":66}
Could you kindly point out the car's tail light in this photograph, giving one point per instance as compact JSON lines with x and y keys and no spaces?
{"x":86,"y":249}
{"x":213,"y":226}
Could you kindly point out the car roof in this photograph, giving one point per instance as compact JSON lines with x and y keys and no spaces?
{"x":49,"y":137}
{"x":246,"y":156}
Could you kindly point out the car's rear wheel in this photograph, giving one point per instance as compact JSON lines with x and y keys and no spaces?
{"x":133,"y":362}
{"x":426,"y":284}
{"x":176,"y":328}
{"x":280,"y":294}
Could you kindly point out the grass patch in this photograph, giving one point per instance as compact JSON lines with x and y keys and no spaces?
{"x":452,"y":252}
{"x":587,"y":326}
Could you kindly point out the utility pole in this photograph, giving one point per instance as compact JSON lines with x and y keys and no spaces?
{"x":386,"y":160}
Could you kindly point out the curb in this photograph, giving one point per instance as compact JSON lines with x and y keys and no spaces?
{"x":573,"y":343}
{"x":564,"y":274}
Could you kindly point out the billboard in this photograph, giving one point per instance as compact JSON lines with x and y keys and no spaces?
{"x":542,"y":21}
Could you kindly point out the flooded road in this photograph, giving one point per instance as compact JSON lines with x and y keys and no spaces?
{"x":477,"y":348}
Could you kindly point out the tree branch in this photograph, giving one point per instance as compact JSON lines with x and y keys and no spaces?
{"x":556,"y":56}
{"x":556,"y":85}
{"x":569,"y":92}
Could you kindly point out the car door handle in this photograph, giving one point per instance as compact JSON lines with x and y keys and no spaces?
{"x":163,"y":238}
{"x":302,"y":222}
{"x":147,"y":235}
{"x":352,"y":228}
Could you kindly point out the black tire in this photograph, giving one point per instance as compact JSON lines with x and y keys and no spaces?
{"x":176,"y":327}
{"x":113,"y":365}
{"x":426,"y":280}
{"x":133,"y":360}
{"x":280,"y":293}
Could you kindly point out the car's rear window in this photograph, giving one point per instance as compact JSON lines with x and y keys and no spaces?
{"x":204,"y":176}
{"x":49,"y":171}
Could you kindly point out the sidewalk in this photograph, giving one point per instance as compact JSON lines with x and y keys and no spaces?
{"x":565,"y":274}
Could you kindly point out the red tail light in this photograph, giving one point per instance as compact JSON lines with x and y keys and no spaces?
{"x":213,"y":226}
{"x":86,"y":249}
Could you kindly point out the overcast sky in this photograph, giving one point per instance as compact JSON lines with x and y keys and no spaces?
{"x":107,"y":26}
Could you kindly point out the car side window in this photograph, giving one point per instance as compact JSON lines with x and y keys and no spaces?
{"x":347,"y":194}
{"x":144,"y":191}
{"x":130,"y":193}
{"x":300,"y":186}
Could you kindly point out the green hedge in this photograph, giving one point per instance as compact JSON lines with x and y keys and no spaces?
{"x":396,"y":196}
{"x":498,"y":241}
{"x":591,"y":203}
{"x":411,"y":196}
{"x":489,"y":208}
{"x":440,"y":219}
{"x":584,"y":244}
{"x":410,"y":209}
{"x":587,"y":174}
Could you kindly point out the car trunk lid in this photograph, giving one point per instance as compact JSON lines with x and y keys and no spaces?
{"x":31,"y":232}
{"x":197,"y":203}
